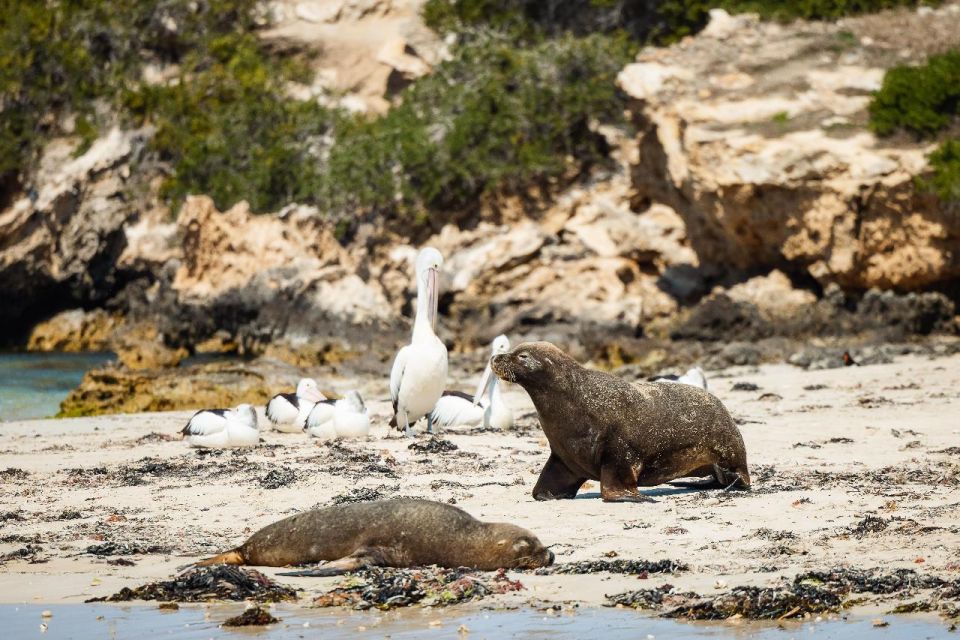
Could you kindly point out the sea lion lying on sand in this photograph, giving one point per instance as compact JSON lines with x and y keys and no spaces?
{"x":388,"y":533}
{"x":603,"y":428}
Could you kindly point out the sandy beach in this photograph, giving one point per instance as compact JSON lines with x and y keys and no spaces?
{"x":856,"y":467}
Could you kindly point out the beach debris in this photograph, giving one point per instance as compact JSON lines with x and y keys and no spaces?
{"x":433,"y":445}
{"x":809,"y":593}
{"x":203,"y":584}
{"x":31,"y":553}
{"x":649,"y":598}
{"x":364,"y":494}
{"x":277,"y":478}
{"x":121,"y":562}
{"x":14,"y":516}
{"x":744,"y":386}
{"x":870,"y":524}
{"x":125,"y":549}
{"x":387,"y":588}
{"x":815,"y":387}
{"x":252,"y":617}
{"x":756,"y":603}
{"x":632,"y":567}
{"x":870,"y":580}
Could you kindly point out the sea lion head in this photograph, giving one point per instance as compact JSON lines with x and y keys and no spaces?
{"x":532,"y":364}
{"x":516,"y":548}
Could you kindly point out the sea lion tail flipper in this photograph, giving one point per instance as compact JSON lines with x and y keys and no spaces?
{"x":359,"y":559}
{"x":227,"y":557}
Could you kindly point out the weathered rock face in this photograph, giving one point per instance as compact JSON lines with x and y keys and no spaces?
{"x":365,"y":50}
{"x":755,"y":134}
{"x":116,"y":389}
{"x":75,"y":331}
{"x":61,"y":241}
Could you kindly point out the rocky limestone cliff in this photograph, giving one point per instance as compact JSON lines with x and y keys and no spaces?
{"x":755,"y":134}
{"x":60,"y":241}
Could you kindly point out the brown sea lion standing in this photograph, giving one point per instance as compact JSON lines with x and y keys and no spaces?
{"x":601,"y":427}
{"x":388,"y":533}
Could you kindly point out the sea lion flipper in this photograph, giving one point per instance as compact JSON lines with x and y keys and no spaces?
{"x":360,"y":559}
{"x":557,"y":481}
{"x":618,"y":483}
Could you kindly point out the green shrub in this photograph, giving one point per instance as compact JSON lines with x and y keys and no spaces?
{"x":228,"y":130}
{"x":658,"y":22}
{"x":496,"y":118}
{"x":921,"y":99}
{"x":816,"y":9}
{"x":662,"y":22}
{"x":945,"y":181}
{"x":60,"y":57}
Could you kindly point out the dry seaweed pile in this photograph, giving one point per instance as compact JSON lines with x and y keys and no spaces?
{"x":363,"y":494}
{"x":277,"y":478}
{"x":218,"y":582}
{"x":809,"y":593}
{"x":870,"y":580}
{"x":634,"y":567}
{"x":433,"y":445}
{"x":388,"y":588}
{"x":252,"y":617}
{"x":32,"y":553}
{"x":755,"y":603}
{"x":125,"y":549}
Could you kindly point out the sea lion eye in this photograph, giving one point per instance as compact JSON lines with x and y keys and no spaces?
{"x":522,"y":543}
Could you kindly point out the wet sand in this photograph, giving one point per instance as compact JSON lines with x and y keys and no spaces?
{"x":856,"y":467}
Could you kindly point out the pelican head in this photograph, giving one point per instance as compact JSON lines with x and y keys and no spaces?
{"x":354,"y":400}
{"x":248,"y":414}
{"x":500,"y":344}
{"x":307,"y":390}
{"x":429,"y":262}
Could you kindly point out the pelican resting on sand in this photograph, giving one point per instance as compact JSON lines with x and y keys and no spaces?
{"x":458,"y":409}
{"x":347,"y":418}
{"x":419,"y":371}
{"x":694,"y":377}
{"x":223,"y":428}
{"x":288,"y":411}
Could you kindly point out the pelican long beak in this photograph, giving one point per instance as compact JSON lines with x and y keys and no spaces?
{"x":314,"y":395}
{"x":433,"y":297}
{"x":485,"y":382}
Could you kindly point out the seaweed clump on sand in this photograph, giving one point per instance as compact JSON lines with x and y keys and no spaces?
{"x":124,"y":549}
{"x":655,"y":598}
{"x":252,"y":617}
{"x":809,"y":593}
{"x":389,"y":588}
{"x":634,"y":567}
{"x":277,"y":478}
{"x":755,"y":603}
{"x":203,"y":584}
{"x":869,"y":580}
{"x":433,"y":445}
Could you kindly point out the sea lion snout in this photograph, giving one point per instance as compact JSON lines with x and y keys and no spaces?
{"x":501,"y":366}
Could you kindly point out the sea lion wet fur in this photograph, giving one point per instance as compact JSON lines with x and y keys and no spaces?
{"x":601,"y":427}
{"x":390,"y":533}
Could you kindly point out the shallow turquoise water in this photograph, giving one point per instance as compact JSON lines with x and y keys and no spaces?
{"x":80,"y":622}
{"x":32,"y":385}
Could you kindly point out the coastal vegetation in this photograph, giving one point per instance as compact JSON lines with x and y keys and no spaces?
{"x":516,"y":110}
{"x":925,"y":100}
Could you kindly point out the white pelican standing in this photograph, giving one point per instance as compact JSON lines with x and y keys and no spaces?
{"x":223,"y":428}
{"x":288,"y":411}
{"x":694,"y":377}
{"x":419,"y":371}
{"x":457,"y":409}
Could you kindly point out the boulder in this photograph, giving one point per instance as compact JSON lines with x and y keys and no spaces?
{"x":75,"y":331}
